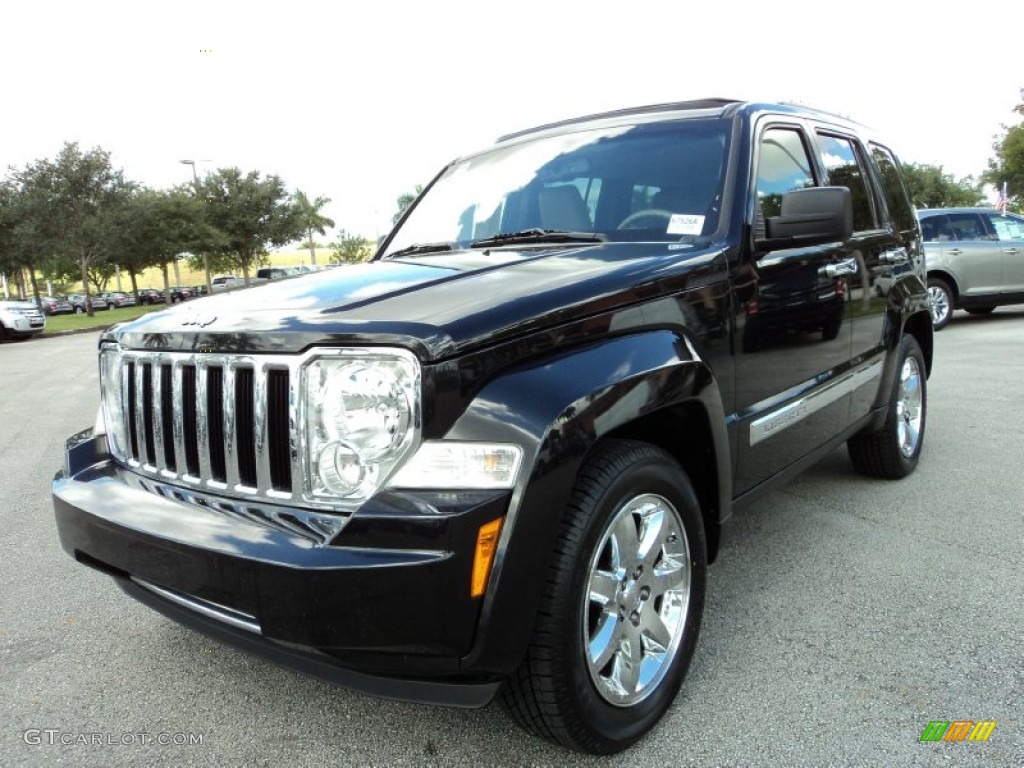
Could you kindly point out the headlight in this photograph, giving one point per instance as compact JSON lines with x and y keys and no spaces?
{"x":362,"y":418}
{"x":111,"y":384}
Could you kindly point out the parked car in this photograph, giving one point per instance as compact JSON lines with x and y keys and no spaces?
{"x":265,"y":274}
{"x":975,"y":260}
{"x":20,"y":320}
{"x":180,"y":294}
{"x":77,"y":301}
{"x":118,"y":299}
{"x":53,"y":305}
{"x":151,"y":296}
{"x":226,"y":282}
{"x":498,"y":458}
{"x":199,"y":290}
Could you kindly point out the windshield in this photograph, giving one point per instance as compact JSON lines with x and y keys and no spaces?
{"x":660,"y":182}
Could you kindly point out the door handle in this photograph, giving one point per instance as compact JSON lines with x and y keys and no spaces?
{"x":954,"y":251}
{"x":840,"y":268}
{"x":1011,"y":250}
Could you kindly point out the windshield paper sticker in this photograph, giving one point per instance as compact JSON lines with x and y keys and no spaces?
{"x":685,"y":224}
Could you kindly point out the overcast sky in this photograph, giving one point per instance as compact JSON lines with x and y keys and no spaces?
{"x":361,"y":105}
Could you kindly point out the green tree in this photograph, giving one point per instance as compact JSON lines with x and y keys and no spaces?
{"x":155,"y":227}
{"x":350,"y":249}
{"x":250,"y":214}
{"x":70,"y":207}
{"x":1007,"y":166}
{"x":312,"y":220}
{"x":404,"y":201}
{"x":931,"y":187}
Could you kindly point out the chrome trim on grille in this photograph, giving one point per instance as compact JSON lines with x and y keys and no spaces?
{"x":798,"y":410}
{"x":205,"y":607}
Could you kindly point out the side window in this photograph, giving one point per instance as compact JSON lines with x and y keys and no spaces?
{"x":1007,"y":227}
{"x":968,"y":226}
{"x":896,"y":197}
{"x":839,"y":156}
{"x":936,"y":229}
{"x":783,"y":165}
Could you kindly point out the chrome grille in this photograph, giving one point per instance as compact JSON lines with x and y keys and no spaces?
{"x":226,"y":423}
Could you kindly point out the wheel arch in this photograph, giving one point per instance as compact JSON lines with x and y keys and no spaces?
{"x":651,"y":386}
{"x":949,"y":279}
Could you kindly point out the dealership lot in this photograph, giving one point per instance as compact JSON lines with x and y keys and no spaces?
{"x":844,"y":614}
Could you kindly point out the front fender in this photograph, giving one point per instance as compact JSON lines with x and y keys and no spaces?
{"x":557,"y":409}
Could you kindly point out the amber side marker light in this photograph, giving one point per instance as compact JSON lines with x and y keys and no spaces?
{"x":486,"y":543}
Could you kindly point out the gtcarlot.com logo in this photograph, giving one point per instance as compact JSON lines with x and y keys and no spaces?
{"x":53,"y":736}
{"x":958,"y":730}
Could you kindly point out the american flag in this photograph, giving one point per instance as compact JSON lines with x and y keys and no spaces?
{"x":1000,"y":204}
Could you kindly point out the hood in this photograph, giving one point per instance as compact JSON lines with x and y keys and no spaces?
{"x":438,"y":305}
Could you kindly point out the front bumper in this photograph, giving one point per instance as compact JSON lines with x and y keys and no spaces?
{"x":383,"y":606}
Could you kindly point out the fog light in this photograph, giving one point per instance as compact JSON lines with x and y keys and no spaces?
{"x":341,"y":471}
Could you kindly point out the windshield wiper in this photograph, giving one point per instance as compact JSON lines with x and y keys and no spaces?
{"x":536,"y":235}
{"x":421,"y":248}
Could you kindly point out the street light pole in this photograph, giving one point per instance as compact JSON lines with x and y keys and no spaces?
{"x":206,"y":257}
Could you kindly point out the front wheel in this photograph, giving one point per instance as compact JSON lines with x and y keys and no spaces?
{"x":622,"y":604}
{"x":892,"y":451}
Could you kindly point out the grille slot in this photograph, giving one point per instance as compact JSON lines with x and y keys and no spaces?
{"x":132,"y":409}
{"x":278,"y":430}
{"x":215,"y":416}
{"x":188,"y":419}
{"x":167,"y":416}
{"x":245,"y":423}
{"x":147,"y":411}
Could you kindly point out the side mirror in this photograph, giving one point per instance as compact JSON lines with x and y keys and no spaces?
{"x":810,"y":217}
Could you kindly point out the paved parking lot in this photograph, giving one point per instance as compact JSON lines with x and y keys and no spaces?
{"x":844,"y":615}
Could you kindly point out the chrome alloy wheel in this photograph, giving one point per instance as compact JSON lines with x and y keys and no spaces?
{"x":637,"y":600}
{"x":940,"y":305}
{"x":909,"y":413}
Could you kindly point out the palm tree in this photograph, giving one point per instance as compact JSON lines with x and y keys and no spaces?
{"x":312,"y":221}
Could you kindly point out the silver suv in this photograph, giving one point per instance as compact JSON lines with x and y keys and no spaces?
{"x":20,"y":320}
{"x":975,"y":259}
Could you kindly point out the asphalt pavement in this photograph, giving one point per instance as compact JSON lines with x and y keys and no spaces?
{"x":844,"y":615}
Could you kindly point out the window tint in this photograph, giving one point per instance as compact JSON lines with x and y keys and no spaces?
{"x":783,"y":165}
{"x":1007,"y":227}
{"x":968,"y":226}
{"x":845,"y":170}
{"x":896,"y":197}
{"x":936,"y":229}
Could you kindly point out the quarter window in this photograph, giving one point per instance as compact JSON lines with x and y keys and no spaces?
{"x":1007,"y":227}
{"x":896,"y":197}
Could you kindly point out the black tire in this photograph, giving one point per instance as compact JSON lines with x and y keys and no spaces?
{"x":981,"y":310}
{"x":892,"y":452}
{"x":941,"y":298}
{"x":79,"y":310}
{"x":556,"y":693}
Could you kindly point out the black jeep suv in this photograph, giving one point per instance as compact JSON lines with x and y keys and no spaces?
{"x":499,"y":457}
